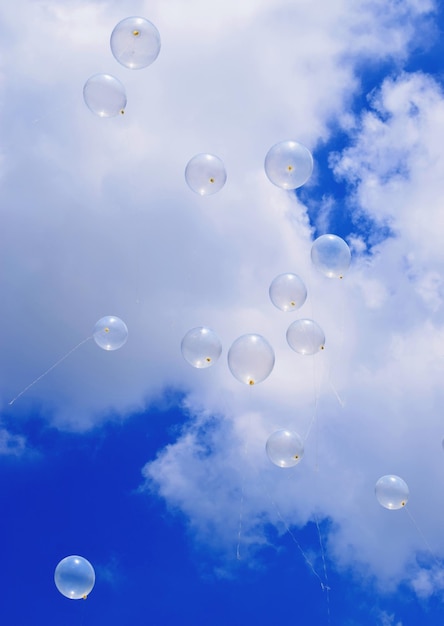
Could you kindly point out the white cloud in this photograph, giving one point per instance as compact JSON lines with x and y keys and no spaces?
{"x":11,"y":444}
{"x":388,"y":619}
{"x":427,"y":582}
{"x":97,"y":219}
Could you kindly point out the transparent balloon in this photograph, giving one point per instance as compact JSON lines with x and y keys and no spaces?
{"x":287,"y":292}
{"x":251,"y":359}
{"x":288,"y":164}
{"x":105,"y":95}
{"x":331,"y":255}
{"x":135,"y":42}
{"x":74,"y":577}
{"x":392,"y":492}
{"x":305,"y":337}
{"x":205,"y":174}
{"x":201,"y":347}
{"x":110,"y":333}
{"x":285,"y":448}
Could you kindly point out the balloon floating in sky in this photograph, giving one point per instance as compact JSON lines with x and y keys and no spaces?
{"x":74,"y":577}
{"x":135,"y":42}
{"x":110,"y":333}
{"x":285,"y":448}
{"x":288,"y":164}
{"x":201,"y":347}
{"x":105,"y":95}
{"x":305,"y":337}
{"x":205,"y":174}
{"x":251,"y":359}
{"x":331,"y":255}
{"x":391,"y":492}
{"x":287,"y":292}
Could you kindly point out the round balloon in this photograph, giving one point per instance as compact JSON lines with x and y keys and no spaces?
{"x":201,"y":347}
{"x":135,"y":42}
{"x":287,"y":292}
{"x":285,"y":448}
{"x":110,"y":333}
{"x":105,"y":95}
{"x":251,"y":359}
{"x":74,"y":577}
{"x":288,"y":164}
{"x":205,"y":174}
{"x":305,"y":337}
{"x":391,"y":492}
{"x":331,"y":255}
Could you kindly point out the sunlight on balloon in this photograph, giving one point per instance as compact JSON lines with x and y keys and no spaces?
{"x":110,"y":333}
{"x":331,"y":255}
{"x":205,"y":174}
{"x":305,"y":337}
{"x":288,"y":164}
{"x":201,"y":347}
{"x":74,"y":577}
{"x":135,"y":42}
{"x":392,"y":492}
{"x":251,"y":359}
{"x":104,"y":95}
{"x":287,"y":292}
{"x":285,"y":448}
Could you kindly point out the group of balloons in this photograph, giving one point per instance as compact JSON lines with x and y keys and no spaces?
{"x":135,"y":44}
{"x":288,"y":164}
{"x":251,"y":358}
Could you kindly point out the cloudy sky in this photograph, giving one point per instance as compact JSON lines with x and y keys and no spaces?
{"x":156,"y":471}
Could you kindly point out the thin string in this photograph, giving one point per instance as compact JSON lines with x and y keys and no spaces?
{"x":421,"y":534}
{"x":83,"y":612}
{"x":49,"y":369}
{"x":242,"y":498}
{"x":295,"y":541}
{"x":239,"y":532}
{"x":326,"y":587}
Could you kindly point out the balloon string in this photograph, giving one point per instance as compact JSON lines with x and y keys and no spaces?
{"x":239,"y":533}
{"x":295,"y":541}
{"x":49,"y":369}
{"x":337,"y":396}
{"x":316,"y":401}
{"x":325,"y":587}
{"x":426,"y":543}
{"x":242,"y":498}
{"x":83,"y":612}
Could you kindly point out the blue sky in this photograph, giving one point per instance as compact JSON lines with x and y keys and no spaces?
{"x":154,"y":471}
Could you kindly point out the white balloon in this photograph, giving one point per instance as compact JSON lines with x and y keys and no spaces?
{"x":135,"y":42}
{"x":104,"y":95}
{"x":251,"y":359}
{"x":74,"y":577}
{"x":285,"y":448}
{"x":110,"y":333}
{"x":287,"y":292}
{"x":305,"y":337}
{"x":205,"y":174}
{"x":201,"y":347}
{"x":288,"y":164}
{"x":331,"y":255}
{"x":392,"y":492}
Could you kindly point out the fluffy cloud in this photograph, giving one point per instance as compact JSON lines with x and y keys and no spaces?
{"x":11,"y":444}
